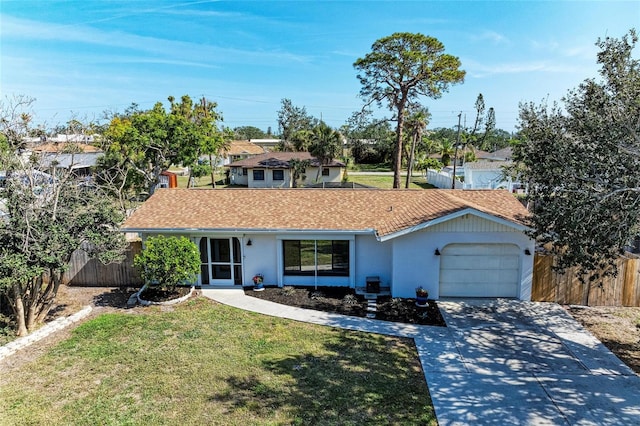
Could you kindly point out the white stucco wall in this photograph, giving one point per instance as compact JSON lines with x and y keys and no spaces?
{"x":372,"y":258}
{"x":402,"y":263}
{"x":415,"y":262}
{"x":237,"y":178}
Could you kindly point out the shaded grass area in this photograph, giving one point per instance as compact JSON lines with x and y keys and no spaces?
{"x":205,"y":363}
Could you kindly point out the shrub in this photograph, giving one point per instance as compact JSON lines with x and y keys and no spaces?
{"x":168,"y":261}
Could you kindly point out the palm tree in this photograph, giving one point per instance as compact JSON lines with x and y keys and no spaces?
{"x":298,"y":168}
{"x":326,"y":144}
{"x":416,"y":123}
{"x":446,"y":150}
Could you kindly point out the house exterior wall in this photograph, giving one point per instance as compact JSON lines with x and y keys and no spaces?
{"x":415,"y":262}
{"x":402,"y":263}
{"x":335,"y":175}
{"x":237,"y":178}
{"x":485,"y":179}
{"x":372,"y":258}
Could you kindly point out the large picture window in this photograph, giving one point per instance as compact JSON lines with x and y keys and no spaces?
{"x":311,"y":257}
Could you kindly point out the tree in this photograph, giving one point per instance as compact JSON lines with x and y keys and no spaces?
{"x":168,"y":261}
{"x":292,"y":119}
{"x":298,"y":169}
{"x":400,"y":68}
{"x":416,"y":125}
{"x":48,"y":217}
{"x":446,"y":149}
{"x":326,"y":144}
{"x":248,"y":132}
{"x":483,"y":126}
{"x":582,"y":163}
{"x":367,"y":137}
{"x":140,"y":145}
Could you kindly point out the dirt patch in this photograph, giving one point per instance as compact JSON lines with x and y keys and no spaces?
{"x":618,"y":328}
{"x":69,"y":301}
{"x":343,"y":301}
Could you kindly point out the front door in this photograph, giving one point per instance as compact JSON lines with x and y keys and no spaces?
{"x":220,"y":261}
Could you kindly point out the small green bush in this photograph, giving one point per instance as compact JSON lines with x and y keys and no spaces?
{"x":168,"y":261}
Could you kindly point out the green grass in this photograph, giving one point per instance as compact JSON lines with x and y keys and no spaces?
{"x":205,"y":363}
{"x":384,"y":181}
{"x":203,"y":182}
{"x":370,"y":167}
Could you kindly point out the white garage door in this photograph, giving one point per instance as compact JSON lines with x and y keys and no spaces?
{"x":479,"y":270}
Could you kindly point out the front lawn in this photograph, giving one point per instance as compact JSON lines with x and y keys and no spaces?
{"x":386,"y":181}
{"x":206,"y":363}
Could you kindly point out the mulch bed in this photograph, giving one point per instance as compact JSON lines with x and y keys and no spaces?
{"x":344,"y":301}
{"x":155,"y":294}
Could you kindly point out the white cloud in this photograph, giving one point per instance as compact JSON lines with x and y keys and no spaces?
{"x":491,"y":36}
{"x":14,"y":28}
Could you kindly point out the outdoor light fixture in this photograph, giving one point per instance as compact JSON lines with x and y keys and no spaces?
{"x":527,"y":252}
{"x":249,"y":242}
{"x":437,"y":252}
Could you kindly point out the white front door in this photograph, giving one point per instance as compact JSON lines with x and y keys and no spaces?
{"x":220,"y":261}
{"x":480,"y":270}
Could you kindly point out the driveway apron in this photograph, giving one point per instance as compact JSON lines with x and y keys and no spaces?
{"x":512,"y":362}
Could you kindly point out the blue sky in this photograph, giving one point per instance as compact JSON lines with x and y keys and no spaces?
{"x":80,"y":58}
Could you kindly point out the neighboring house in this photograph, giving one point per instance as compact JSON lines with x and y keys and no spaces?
{"x":62,"y":156}
{"x":504,"y":154}
{"x":454,"y":243}
{"x":488,"y":175}
{"x":266,"y":144}
{"x":273,"y":170}
{"x":237,"y":150}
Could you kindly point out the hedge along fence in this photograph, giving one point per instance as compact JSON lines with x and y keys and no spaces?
{"x":566,"y":288}
{"x":84,"y":271}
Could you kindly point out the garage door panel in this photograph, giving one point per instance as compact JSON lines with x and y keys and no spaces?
{"x":481,"y":249}
{"x":478,"y":276}
{"x":479,"y":290}
{"x":480,"y":270}
{"x":478,"y":262}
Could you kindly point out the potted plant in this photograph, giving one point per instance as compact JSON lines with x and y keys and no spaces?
{"x":258,"y":282}
{"x":422,"y":295}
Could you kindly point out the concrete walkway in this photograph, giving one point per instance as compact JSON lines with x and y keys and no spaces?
{"x":499,"y":362}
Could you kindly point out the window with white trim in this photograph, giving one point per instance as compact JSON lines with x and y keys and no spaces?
{"x":316,"y":257}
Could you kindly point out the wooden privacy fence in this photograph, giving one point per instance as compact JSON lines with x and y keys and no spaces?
{"x":84,"y":271}
{"x":566,"y":288}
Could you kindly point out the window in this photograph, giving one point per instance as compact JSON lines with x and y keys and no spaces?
{"x":308,"y":257}
{"x":258,"y":175}
{"x":325,"y":172}
{"x":278,"y":175}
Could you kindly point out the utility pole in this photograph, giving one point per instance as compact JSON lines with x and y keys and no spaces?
{"x":455,"y":155}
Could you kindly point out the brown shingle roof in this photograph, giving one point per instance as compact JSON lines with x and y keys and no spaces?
{"x":59,"y":147}
{"x":361,"y":210}
{"x":243,"y":148}
{"x":279,"y":160}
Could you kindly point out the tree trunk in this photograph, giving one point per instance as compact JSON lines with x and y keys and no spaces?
{"x":45,"y":302}
{"x":411,"y":154}
{"x":397,"y":152}
{"x":18,"y":309}
{"x":213,"y":171}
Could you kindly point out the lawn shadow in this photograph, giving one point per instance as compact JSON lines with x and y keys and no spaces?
{"x":354,"y":379}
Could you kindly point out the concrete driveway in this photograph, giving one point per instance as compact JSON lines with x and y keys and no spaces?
{"x":510,"y":362}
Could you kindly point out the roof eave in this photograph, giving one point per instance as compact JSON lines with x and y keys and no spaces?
{"x":146,"y":230}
